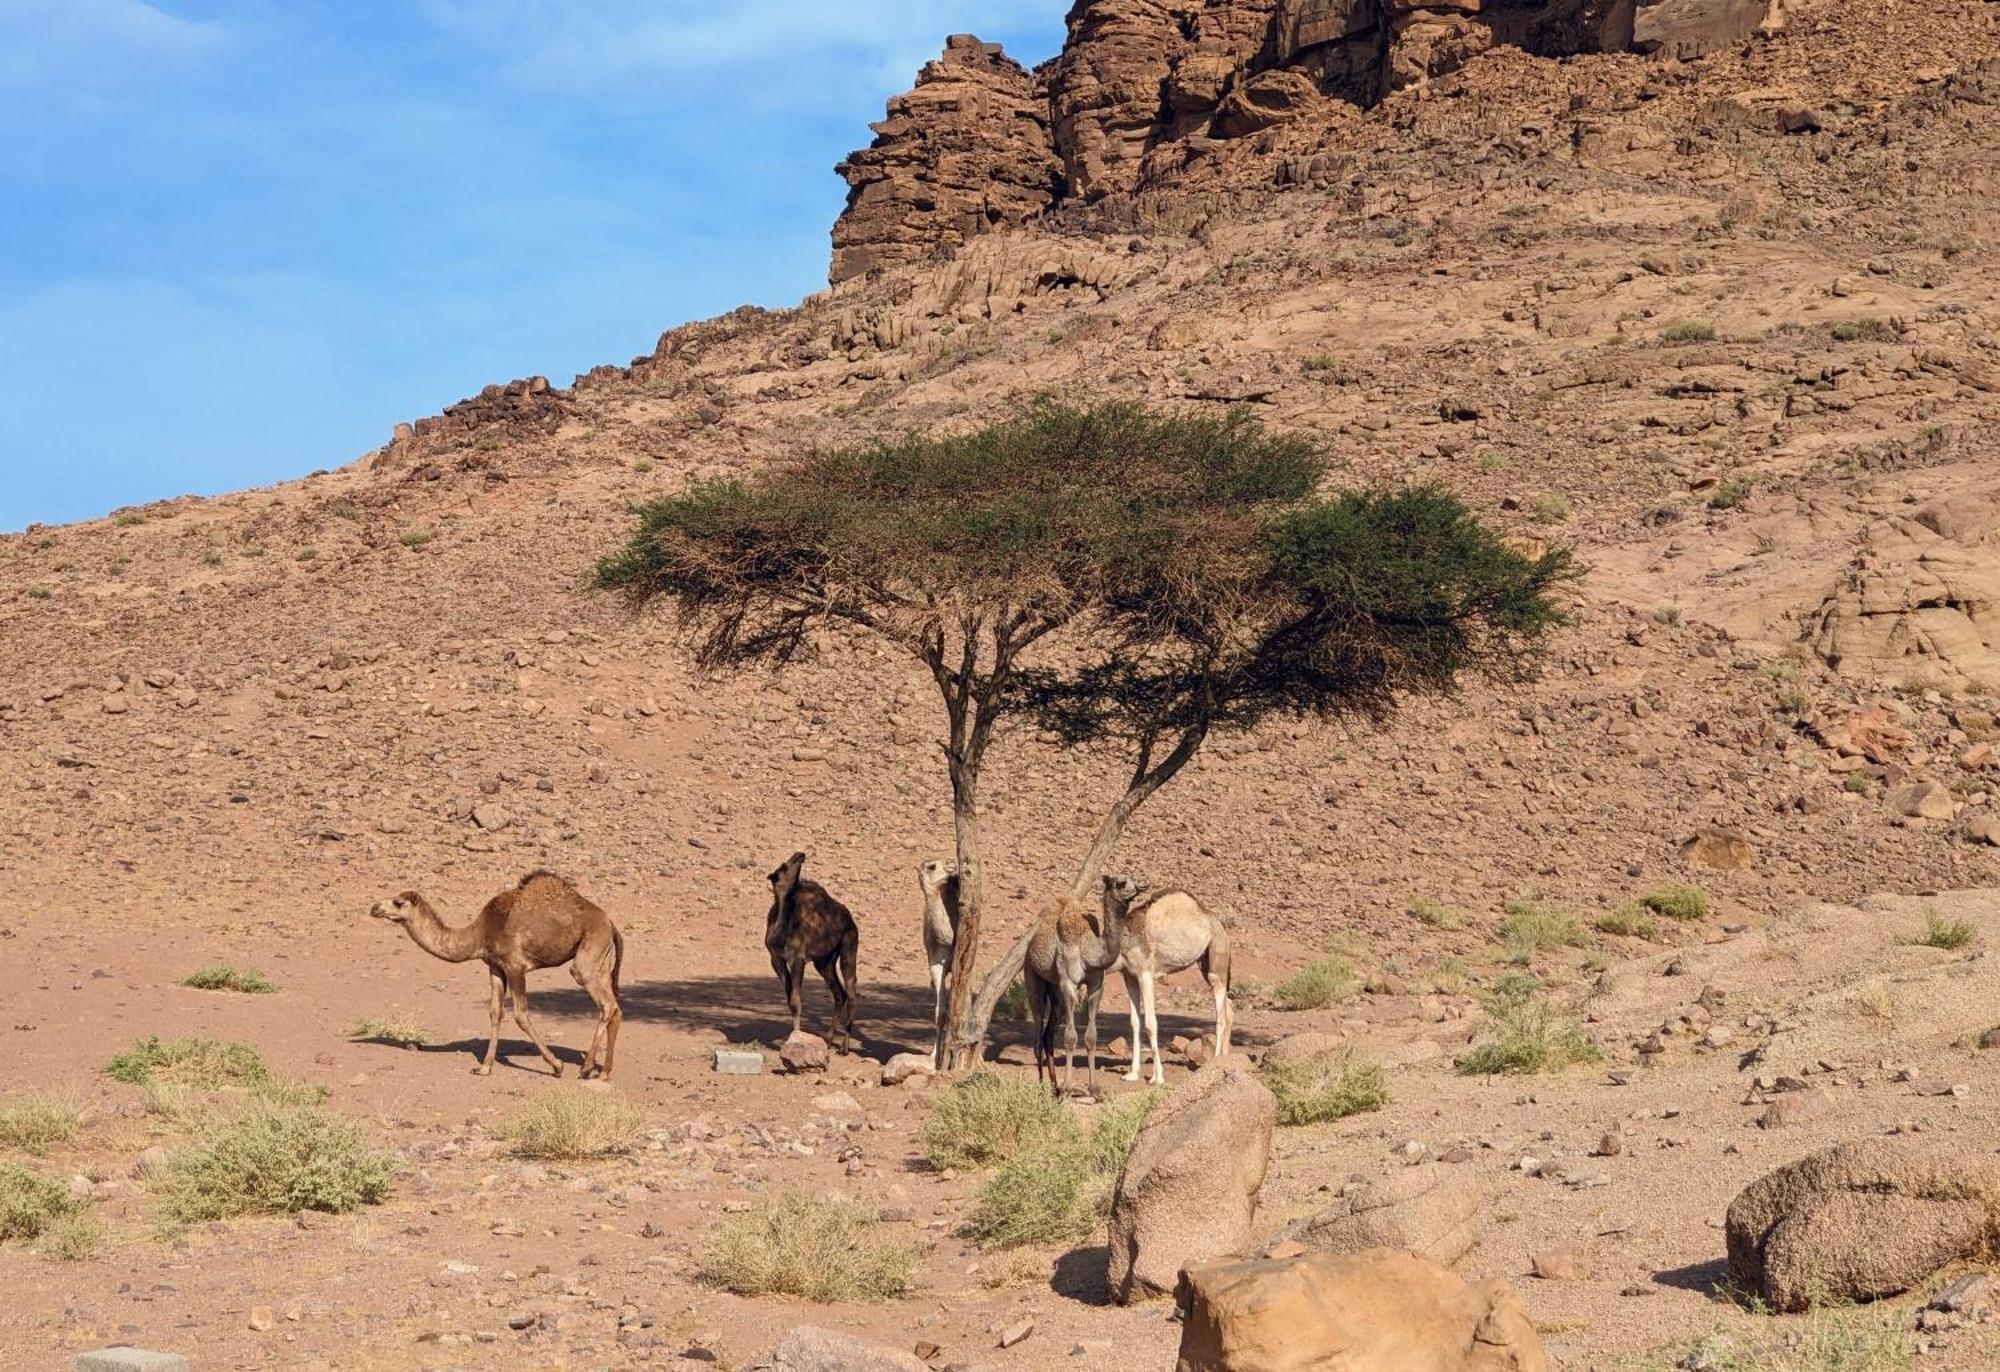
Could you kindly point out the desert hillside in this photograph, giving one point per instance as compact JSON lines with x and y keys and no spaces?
{"x":1710,"y":299}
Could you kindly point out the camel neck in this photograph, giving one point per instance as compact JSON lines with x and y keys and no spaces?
{"x":441,"y":940}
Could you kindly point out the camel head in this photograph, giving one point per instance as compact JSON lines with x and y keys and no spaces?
{"x":933,"y":875}
{"x":786,"y":876}
{"x":1119,"y":893}
{"x":399,"y":910}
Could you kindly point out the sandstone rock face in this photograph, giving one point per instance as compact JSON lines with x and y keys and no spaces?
{"x":1860,"y":1221}
{"x":1106,"y":90}
{"x":1430,"y":1211}
{"x":966,"y":151}
{"x":1378,"y":1311}
{"x":1189,"y":1191}
{"x":1689,"y":28}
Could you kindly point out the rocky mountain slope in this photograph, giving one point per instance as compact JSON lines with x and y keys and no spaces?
{"x":1720,"y":313}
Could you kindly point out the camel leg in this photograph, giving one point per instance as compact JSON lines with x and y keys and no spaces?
{"x":517,"y":984}
{"x":1069,"y":1041}
{"x":1225,"y":1016}
{"x":937,"y":1015}
{"x":1095,"y":994}
{"x":609,"y":1017}
{"x":1138,"y":1038}
{"x":1153,"y":1028}
{"x":499,"y":987}
{"x":795,"y":991}
{"x":837,"y":1031}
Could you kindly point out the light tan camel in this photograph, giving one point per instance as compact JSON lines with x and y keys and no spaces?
{"x":938,"y":880}
{"x":1068,"y":955}
{"x":1162,"y":932}
{"x":543,"y":922}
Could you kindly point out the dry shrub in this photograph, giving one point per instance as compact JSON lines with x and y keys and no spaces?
{"x":38,"y":1120}
{"x":573,"y":1125}
{"x":817,"y":1248}
{"x":268,"y":1157}
{"x":1327,"y":1087}
{"x":1059,"y":1189}
{"x":988,"y":1118}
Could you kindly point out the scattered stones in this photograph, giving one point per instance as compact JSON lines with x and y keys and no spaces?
{"x":1190,"y":1188}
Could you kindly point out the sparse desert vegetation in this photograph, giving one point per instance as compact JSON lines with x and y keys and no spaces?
{"x":1058,"y":1189}
{"x":36,"y":1121}
{"x":1528,"y":1037}
{"x":1329,"y":1087}
{"x":197,"y":1063}
{"x":399,"y":1030}
{"x":272,"y":1157}
{"x":248,"y":980}
{"x":574,"y":1125}
{"x":816,"y":1248}
{"x":989,"y":1118}
{"x":1327,"y":981}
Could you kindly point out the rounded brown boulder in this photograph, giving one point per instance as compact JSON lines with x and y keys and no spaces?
{"x":1860,"y":1222}
{"x":1376,"y":1311}
{"x":1189,"y":1190}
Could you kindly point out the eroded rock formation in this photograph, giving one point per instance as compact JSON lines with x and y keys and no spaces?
{"x":1140,"y":84}
{"x":966,"y":151}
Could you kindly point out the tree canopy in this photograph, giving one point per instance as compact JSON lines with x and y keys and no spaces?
{"x":1190,"y":571}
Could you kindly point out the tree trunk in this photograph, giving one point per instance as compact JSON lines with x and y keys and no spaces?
{"x":962,"y":1046}
{"x":968,"y":1036}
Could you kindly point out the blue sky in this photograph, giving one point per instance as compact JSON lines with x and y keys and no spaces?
{"x":240,"y":239}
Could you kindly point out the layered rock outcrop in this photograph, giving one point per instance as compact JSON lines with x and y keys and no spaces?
{"x":982,"y":143}
{"x":968,"y":150}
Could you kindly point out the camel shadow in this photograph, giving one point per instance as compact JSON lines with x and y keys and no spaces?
{"x":515,"y":1054}
{"x":1710,"y":1279}
{"x":748,"y":1009}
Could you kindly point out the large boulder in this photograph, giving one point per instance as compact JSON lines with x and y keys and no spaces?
{"x":1377,"y":1311}
{"x":1431,"y":1211}
{"x":1189,"y":1191}
{"x":1861,"y":1221}
{"x":1691,"y":28}
{"x":807,"y":1349}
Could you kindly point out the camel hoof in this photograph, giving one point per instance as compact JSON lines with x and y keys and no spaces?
{"x":1131,"y":1076}
{"x":558,"y":1071}
{"x":483,"y":1070}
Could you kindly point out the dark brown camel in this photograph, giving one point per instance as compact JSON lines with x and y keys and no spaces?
{"x":543,"y":922}
{"x":808,"y":925}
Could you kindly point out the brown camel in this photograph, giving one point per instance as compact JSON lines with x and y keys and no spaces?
{"x":1068,"y":954}
{"x":808,"y":925}
{"x":543,"y":922}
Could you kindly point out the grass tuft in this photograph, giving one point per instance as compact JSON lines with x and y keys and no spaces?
{"x":1318,"y":985}
{"x":247,"y":980}
{"x":394,"y":1029}
{"x":571,"y":1125}
{"x":1329,"y":1087}
{"x":987,"y":1119}
{"x":1939,"y":932}
{"x":201,"y":1064}
{"x":1629,"y":924}
{"x":270,"y":1157}
{"x":1060,"y":1190}
{"x":73,"y":1237}
{"x":1532,"y":927}
{"x":817,"y":1248}
{"x":38,"y":1120}
{"x":1688,"y":331}
{"x":30,"y":1202}
{"x":1677,"y":900}
{"x":1529,"y":1037}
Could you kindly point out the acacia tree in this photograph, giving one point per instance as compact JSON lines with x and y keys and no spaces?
{"x":1123,"y":577}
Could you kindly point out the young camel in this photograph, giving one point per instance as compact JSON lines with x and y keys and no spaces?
{"x":938,"y":880}
{"x":808,"y":925}
{"x":543,"y":922}
{"x":1163,"y":932}
{"x":1068,"y":955}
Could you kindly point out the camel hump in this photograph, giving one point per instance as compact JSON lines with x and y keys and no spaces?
{"x":1164,"y":898}
{"x":542,"y":874}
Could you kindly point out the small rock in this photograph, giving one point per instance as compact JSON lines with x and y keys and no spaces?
{"x":803,"y":1052}
{"x":1610,"y":1146}
{"x":262,"y":1319}
{"x":1557,"y":1264}
{"x":904,"y":1066}
{"x":738,"y":1062}
{"x":1017,"y":1333}
{"x":1923,"y":800}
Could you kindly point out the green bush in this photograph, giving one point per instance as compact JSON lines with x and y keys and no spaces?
{"x":72,"y":1237}
{"x":273,"y":1158}
{"x":1948,"y":934}
{"x":1629,"y":924}
{"x":195,"y":1063}
{"x":1532,"y":928}
{"x":1060,"y":1189}
{"x":1731,"y":494}
{"x":570,"y":1125}
{"x":397,"y":1030}
{"x":249,"y":981}
{"x":1688,"y":331}
{"x":38,"y":1120}
{"x":1329,"y":1087}
{"x":1317,"y":985}
{"x":1677,"y":900}
{"x":989,"y":1118}
{"x":1529,"y":1037}
{"x":817,"y":1248}
{"x":31,"y":1202}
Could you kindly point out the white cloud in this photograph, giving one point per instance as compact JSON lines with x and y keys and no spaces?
{"x":93,"y":43}
{"x":769,"y":53}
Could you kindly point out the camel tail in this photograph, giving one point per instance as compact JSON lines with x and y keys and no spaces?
{"x":617,"y":959}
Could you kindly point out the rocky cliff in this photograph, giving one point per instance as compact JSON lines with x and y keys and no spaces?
{"x":1143,"y":84}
